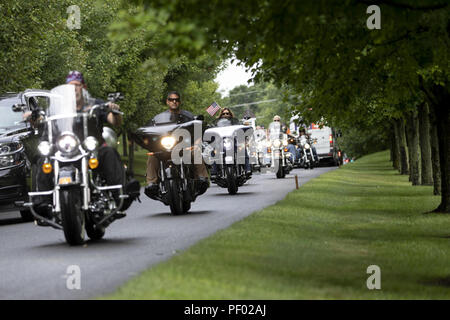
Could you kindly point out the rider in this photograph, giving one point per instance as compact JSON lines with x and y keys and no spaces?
{"x":302,"y":132}
{"x":173,"y":102}
{"x":291,"y":148}
{"x":226,"y":113}
{"x":110,"y":165}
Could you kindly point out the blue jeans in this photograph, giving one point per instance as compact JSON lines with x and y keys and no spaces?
{"x":291,"y":148}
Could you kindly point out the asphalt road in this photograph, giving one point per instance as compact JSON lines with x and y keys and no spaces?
{"x":34,"y":260}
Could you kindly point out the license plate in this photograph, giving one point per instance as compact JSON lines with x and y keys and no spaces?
{"x":65,"y":180}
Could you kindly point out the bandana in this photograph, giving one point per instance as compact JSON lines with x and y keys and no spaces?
{"x":75,"y":76}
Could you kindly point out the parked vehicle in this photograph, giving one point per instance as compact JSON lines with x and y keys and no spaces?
{"x":178,"y":187}
{"x":280,"y":162}
{"x":14,"y":164}
{"x":229,"y":165}
{"x":81,"y":202}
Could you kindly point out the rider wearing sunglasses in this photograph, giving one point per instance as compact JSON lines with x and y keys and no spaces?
{"x":176,"y":115}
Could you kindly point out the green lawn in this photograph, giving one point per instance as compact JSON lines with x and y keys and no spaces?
{"x":317,"y":244}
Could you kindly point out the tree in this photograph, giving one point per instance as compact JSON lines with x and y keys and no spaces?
{"x":325,"y":53}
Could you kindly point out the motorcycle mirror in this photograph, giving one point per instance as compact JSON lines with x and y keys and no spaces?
{"x":200,"y":117}
{"x":18,"y":107}
{"x":115,"y":96}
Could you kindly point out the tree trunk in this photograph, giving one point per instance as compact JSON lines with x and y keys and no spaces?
{"x":408,"y":133}
{"x":404,"y":161}
{"x":425,"y":147}
{"x":414,"y":147}
{"x":131,"y":155}
{"x":442,"y":112}
{"x":396,"y":145}
{"x":124,"y":144}
{"x":438,"y":96}
{"x":435,"y":155}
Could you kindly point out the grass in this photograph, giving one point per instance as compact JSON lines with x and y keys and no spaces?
{"x":317,"y":244}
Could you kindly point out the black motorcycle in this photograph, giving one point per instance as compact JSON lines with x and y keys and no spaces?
{"x":81,"y":200}
{"x":307,"y":160}
{"x":172,"y":144}
{"x":231,"y":156}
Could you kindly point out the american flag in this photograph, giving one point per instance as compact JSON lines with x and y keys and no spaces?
{"x":212,"y":109}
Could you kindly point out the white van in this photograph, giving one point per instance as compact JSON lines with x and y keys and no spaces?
{"x":325,"y":143}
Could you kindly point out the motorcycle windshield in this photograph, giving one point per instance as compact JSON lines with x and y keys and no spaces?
{"x":165,"y":118}
{"x":62,"y":112}
{"x":303,"y":140}
{"x":275,"y":131}
{"x":223,"y":122}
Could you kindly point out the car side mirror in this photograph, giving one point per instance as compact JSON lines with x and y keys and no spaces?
{"x":199,"y":117}
{"x":18,"y":107}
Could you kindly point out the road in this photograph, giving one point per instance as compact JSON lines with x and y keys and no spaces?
{"x":35,"y":260}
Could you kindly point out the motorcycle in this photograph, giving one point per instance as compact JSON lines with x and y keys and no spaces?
{"x":178,"y":187}
{"x":277,"y":148}
{"x":81,"y":200}
{"x":260,"y":146}
{"x":307,"y":159}
{"x":231,"y":157}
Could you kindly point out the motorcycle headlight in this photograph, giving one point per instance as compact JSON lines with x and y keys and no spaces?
{"x":285,"y":143}
{"x":268,"y":144}
{"x":90,"y":143}
{"x":227,"y":143}
{"x":168,"y":142}
{"x":307,"y":146}
{"x":276,"y":143}
{"x":44,"y":148}
{"x":67,"y":143}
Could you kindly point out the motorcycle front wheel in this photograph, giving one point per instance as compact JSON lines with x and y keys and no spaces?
{"x":176,"y":202}
{"x":73,"y":218}
{"x":280,"y":172}
{"x":231,"y":180}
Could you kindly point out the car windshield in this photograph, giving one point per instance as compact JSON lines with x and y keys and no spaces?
{"x":9,"y":118}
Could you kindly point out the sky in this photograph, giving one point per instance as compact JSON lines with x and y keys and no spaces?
{"x":231,"y":77}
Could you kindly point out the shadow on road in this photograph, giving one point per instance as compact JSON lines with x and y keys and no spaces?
{"x":235,"y":195}
{"x":168,"y":214}
{"x":103,"y":243}
{"x":10,"y":221}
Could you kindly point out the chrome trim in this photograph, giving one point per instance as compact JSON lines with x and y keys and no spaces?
{"x":12,"y":153}
{"x":14,"y":166}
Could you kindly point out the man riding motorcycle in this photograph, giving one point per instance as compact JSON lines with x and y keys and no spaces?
{"x":173,"y":101}
{"x":290,"y":147}
{"x":302,"y":132}
{"x":110,"y":165}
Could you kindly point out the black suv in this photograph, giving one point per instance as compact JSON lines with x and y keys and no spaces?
{"x":14,"y":165}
